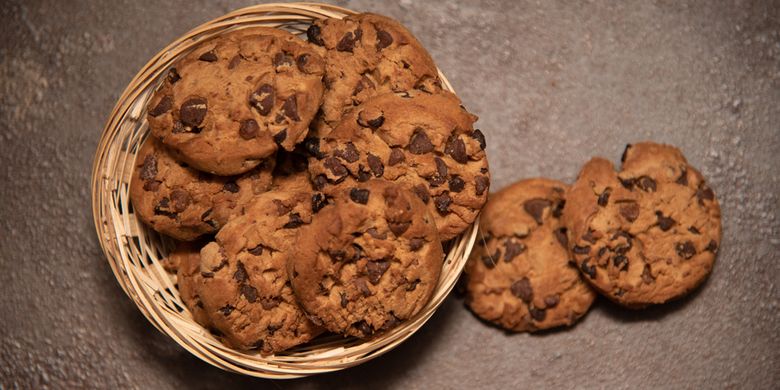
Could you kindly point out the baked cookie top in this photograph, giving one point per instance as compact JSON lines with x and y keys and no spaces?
{"x":244,"y":285}
{"x":367,"y":55}
{"x":184,"y":203}
{"x":519,"y":275}
{"x":231,"y":102}
{"x":425,"y":142}
{"x":646,"y":234}
{"x":368,"y":262}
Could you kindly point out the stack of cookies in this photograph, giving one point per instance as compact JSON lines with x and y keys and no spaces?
{"x":644,"y":235}
{"x":309,"y":183}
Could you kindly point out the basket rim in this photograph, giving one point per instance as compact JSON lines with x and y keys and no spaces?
{"x":138,"y":287}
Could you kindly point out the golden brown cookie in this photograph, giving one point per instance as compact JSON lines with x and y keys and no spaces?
{"x":244,"y":286}
{"x":184,"y":203}
{"x":425,"y":142}
{"x":646,"y":234}
{"x":369,"y":262}
{"x":187,"y":257}
{"x":519,"y":274}
{"x":228,"y":105}
{"x":368,"y":55}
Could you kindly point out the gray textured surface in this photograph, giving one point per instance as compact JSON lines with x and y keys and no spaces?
{"x":553,"y":83}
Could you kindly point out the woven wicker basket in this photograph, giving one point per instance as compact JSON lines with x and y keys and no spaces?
{"x":134,"y":251}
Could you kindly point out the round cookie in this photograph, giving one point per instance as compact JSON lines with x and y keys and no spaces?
{"x":647,"y":234}
{"x":519,"y":274}
{"x":367,"y":55}
{"x":184,"y":203}
{"x":228,"y":105}
{"x":425,"y":142}
{"x":369,"y":262}
{"x":244,"y":286}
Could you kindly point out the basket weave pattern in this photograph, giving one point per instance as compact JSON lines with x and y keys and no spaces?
{"x":134,"y":251}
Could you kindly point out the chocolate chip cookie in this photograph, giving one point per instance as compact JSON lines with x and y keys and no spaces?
{"x":367,"y":55}
{"x":425,"y":142}
{"x":369,"y":262}
{"x":231,"y":102}
{"x":519,"y":274}
{"x":184,"y":203}
{"x":244,"y":286}
{"x":646,"y":234}
{"x":187,"y":257}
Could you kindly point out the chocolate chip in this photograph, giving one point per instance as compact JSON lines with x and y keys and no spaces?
{"x":234,"y":61}
{"x":149,"y":168}
{"x":373,"y":123}
{"x":683,"y":179}
{"x":440,"y":177}
{"x":173,"y":76}
{"x":248,"y":129}
{"x":443,"y":202}
{"x":256,"y":251}
{"x":535,"y":208}
{"x":359,"y":195}
{"x":375,"y":163}
{"x":226,"y":310}
{"x":383,"y":39}
{"x":280,"y":136}
{"x":281,"y":208}
{"x":290,"y":108}
{"x":416,"y":243}
{"x":704,"y":193}
{"x":630,"y":211}
{"x":360,"y":284}
{"x":396,"y":156}
{"x":477,"y":135}
{"x":628,"y":183}
{"x":712,"y":247}
{"x":647,"y":275}
{"x":590,"y":237}
{"x":581,"y":250}
{"x":419,"y":143}
{"x":601,"y":252}
{"x":373,"y":232}
{"x":537,"y":314}
{"x":563,"y":239}
{"x":625,"y":153}
{"x":337,"y":168}
{"x":231,"y":186}
{"x":411,"y":286}
{"x":312,"y":147}
{"x":164,"y":105}
{"x":249,"y":292}
{"x":686,"y":249}
{"x":604,"y":197}
{"x":456,"y":149}
{"x":512,"y":249}
{"x":344,"y":301}
{"x":490,"y":261}
{"x":693,"y":230}
{"x":398,"y":227}
{"x":422,"y":192}
{"x":647,"y":184}
{"x":240,"y":275}
{"x":320,"y":181}
{"x":363,"y":327}
{"x":522,"y":289}
{"x":294,"y":222}
{"x":163,"y":208}
{"x":558,"y":208}
{"x":181,"y":200}
{"x":551,"y":301}
{"x":263,"y":99}
{"x":349,"y":154}
{"x":347,"y":42}
{"x":391,"y":322}
{"x":481,"y":184}
{"x":456,"y":183}
{"x":208,"y":56}
{"x":313,"y":34}
{"x":269,"y":303}
{"x":665,"y":223}
{"x":364,"y":174}
{"x":589,"y":270}
{"x":318,"y":201}
{"x":193,"y":111}
{"x":621,"y":262}
{"x":375,"y":269}
{"x":282,"y":59}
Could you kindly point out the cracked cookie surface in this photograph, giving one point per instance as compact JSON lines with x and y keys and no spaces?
{"x":236,"y":98}
{"x":425,"y":142}
{"x":647,"y":234}
{"x":368,"y":55}
{"x":243,"y":284}
{"x":184,"y":203}
{"x":519,"y":275}
{"x":369,"y":262}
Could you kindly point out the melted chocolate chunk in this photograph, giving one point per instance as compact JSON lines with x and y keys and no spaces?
{"x":535,"y":208}
{"x":522,"y":289}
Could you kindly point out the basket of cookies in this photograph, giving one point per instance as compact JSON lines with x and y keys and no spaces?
{"x":289,"y":189}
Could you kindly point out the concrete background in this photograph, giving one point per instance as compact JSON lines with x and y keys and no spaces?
{"x":553,"y":82}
